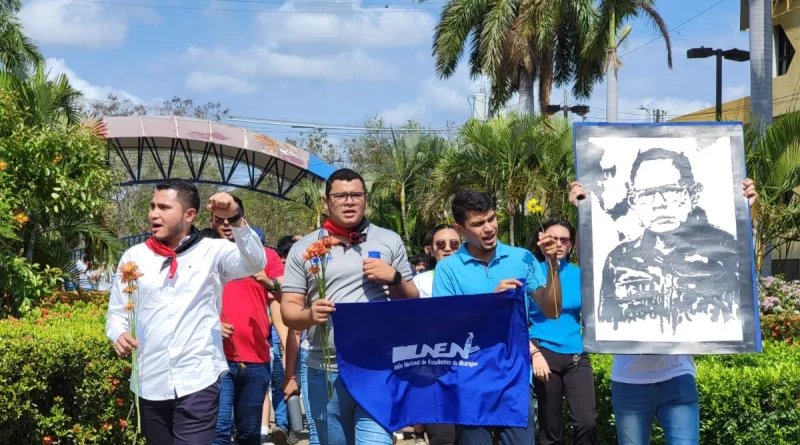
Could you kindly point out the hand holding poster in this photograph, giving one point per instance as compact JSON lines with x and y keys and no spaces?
{"x":666,"y":240}
{"x":451,"y":360}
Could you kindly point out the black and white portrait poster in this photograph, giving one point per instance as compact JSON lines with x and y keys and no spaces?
{"x":665,"y":239}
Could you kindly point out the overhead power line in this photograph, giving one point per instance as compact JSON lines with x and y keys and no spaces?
{"x":362,"y":10}
{"x":325,"y":126}
{"x":675,"y":28}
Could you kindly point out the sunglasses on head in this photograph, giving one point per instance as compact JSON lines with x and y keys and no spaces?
{"x":441,"y":244}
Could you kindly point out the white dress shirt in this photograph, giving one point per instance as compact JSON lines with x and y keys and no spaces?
{"x":178,"y":327}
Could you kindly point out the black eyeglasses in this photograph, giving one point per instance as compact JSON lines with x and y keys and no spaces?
{"x":341,"y":198}
{"x":441,"y":244}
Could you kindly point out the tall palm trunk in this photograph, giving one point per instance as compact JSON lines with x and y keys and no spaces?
{"x":546,"y":69}
{"x":612,"y":67}
{"x":761,"y":82}
{"x":761,"y":61}
{"x":526,"y":100}
{"x":403,"y":214}
{"x":512,"y":215}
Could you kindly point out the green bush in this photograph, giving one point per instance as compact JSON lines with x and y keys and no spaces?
{"x":61,"y":383}
{"x":781,"y":327}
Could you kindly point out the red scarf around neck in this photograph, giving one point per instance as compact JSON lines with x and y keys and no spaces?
{"x":161,"y":249}
{"x":356,"y":235}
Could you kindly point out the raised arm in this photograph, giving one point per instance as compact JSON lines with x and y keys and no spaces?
{"x":547,"y":297}
{"x":245,"y":257}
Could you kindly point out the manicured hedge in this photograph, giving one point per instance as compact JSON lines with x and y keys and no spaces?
{"x":60,"y":383}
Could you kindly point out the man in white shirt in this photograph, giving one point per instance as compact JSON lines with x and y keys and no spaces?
{"x":179,"y":356}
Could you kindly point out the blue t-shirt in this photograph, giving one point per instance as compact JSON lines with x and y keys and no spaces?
{"x":462,"y":274}
{"x":562,"y":335}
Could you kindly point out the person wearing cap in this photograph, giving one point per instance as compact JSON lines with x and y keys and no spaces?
{"x":245,"y":327}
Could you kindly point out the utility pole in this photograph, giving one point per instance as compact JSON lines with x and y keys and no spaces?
{"x":580,"y":110}
{"x":659,"y":115}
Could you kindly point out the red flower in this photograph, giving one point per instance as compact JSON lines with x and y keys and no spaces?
{"x":47,"y":440}
{"x":116,"y":382}
{"x":120,"y":402}
{"x":106,"y":427}
{"x":123,"y":423}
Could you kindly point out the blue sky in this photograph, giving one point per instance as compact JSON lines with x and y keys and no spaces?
{"x":339,"y":62}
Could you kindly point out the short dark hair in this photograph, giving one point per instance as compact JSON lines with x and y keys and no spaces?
{"x":470,"y":201}
{"x":417,"y":259}
{"x":679,"y":160}
{"x":238,"y":202}
{"x":429,"y":241}
{"x":284,"y":246}
{"x":537,"y":252}
{"x":188,"y":195}
{"x":343,"y":174}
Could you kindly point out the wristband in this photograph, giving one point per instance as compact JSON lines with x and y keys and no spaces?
{"x":397,"y":279}
{"x":234,"y":219}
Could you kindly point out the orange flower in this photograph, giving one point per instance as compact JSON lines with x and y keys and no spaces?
{"x":120,"y":402}
{"x":314,"y":269}
{"x":2,"y":165}
{"x":129,"y":272}
{"x":129,"y":289}
{"x":47,"y":440}
{"x":76,"y":428}
{"x":123,"y":423}
{"x":57,"y":159}
{"x":21,"y":219}
{"x":58,"y":399}
{"x":129,"y":306}
{"x":329,"y":242}
{"x":106,"y":427}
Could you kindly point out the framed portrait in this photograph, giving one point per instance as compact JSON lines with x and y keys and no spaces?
{"x":665,"y":239}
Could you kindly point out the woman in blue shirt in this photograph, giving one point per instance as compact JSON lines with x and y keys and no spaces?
{"x":560,"y":367}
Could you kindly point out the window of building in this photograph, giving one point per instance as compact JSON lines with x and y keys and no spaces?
{"x":784,"y":53}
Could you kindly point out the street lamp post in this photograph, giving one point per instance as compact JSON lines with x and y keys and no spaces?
{"x":737,"y":55}
{"x":580,"y":110}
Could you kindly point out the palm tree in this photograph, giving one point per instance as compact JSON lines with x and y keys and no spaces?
{"x":307,"y":205}
{"x":510,"y":158}
{"x":609,"y":34}
{"x":516,"y":42}
{"x":773,"y":163}
{"x":48,"y":101}
{"x":407,"y":158}
{"x":760,"y":20}
{"x":18,"y":53}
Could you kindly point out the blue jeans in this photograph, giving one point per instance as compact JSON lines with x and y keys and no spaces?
{"x":278,"y":404}
{"x":341,"y":421}
{"x":674,"y":403}
{"x":241,"y":400}
{"x":475,"y":435}
{"x":313,"y":439}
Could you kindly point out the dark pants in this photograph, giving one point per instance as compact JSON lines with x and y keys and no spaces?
{"x":188,"y":420}
{"x":441,"y":434}
{"x":571,"y":377}
{"x":241,"y":401}
{"x":475,"y":435}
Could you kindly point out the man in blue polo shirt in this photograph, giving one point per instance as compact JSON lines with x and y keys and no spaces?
{"x":483,"y":265}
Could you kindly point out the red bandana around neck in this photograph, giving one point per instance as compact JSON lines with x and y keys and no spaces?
{"x":356,"y":235}
{"x":161,"y":249}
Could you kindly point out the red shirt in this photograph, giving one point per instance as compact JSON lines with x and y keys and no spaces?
{"x":244,"y":305}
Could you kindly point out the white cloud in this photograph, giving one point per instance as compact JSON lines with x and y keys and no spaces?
{"x":437,"y":97}
{"x":732,"y":92}
{"x":351,"y":25}
{"x":92,"y":92}
{"x":210,"y":82}
{"x":262,"y":62}
{"x":80,"y":24}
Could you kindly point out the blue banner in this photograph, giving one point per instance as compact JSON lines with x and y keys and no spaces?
{"x":454,"y":360}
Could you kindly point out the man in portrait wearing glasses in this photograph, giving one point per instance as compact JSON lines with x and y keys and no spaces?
{"x":662,"y":273}
{"x":369,"y":264}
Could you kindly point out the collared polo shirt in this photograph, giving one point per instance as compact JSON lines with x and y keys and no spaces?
{"x":463,"y":274}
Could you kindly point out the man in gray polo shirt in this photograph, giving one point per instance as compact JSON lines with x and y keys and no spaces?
{"x":354,"y":274}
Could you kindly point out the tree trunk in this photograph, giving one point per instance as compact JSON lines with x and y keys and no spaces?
{"x":526,"y":100}
{"x":30,"y":244}
{"x":545,"y":79}
{"x":611,"y":93}
{"x":761,"y":80}
{"x":403,"y":214}
{"x":512,"y":213}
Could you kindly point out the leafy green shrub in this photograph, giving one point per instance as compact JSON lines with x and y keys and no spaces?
{"x":60,"y":381}
{"x":781,"y":327}
{"x":745,"y":399}
{"x":778,"y":296}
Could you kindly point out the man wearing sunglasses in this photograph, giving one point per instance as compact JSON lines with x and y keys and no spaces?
{"x":245,"y":327}
{"x":369,"y":264}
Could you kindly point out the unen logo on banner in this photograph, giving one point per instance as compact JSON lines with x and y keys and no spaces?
{"x":439,"y":354}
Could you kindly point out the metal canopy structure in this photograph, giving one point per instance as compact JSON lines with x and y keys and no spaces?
{"x":214,"y":153}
